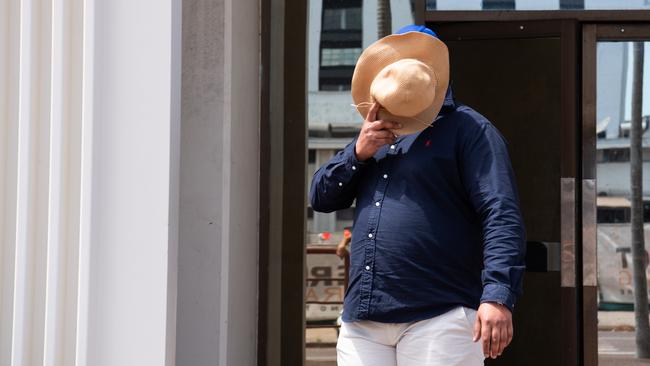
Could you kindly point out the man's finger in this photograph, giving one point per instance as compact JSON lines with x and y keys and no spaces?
{"x":384,"y":125}
{"x":496,"y":339}
{"x":372,"y":113}
{"x":486,"y":335}
{"x":382,"y":142}
{"x":477,"y":329}
{"x":504,"y":340}
{"x":510,"y":333}
{"x":382,"y":134}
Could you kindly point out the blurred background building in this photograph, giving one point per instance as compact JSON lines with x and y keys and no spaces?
{"x":338,"y":31}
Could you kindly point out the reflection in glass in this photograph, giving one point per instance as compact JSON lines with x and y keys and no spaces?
{"x":340,"y":43}
{"x":613,"y":122}
{"x":338,"y":32}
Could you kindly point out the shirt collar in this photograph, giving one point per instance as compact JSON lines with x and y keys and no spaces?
{"x":450,"y":102}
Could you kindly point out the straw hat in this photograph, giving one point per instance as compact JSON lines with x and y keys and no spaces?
{"x":408,"y":75}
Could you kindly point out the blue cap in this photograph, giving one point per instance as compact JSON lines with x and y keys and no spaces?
{"x":416,"y":28}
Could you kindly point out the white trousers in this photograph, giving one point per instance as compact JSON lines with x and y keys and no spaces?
{"x":445,"y":340}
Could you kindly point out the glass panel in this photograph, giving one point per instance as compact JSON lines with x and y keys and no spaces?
{"x":615,"y":77}
{"x":342,"y":18}
{"x":338,"y":32}
{"x":339,"y":56}
{"x":537,"y":4}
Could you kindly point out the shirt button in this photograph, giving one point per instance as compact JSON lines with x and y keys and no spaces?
{"x":370,"y":235}
{"x":340,"y":184}
{"x":367,"y":268}
{"x":377,"y":204}
{"x":385,"y":176}
{"x":354,"y":167}
{"x":392,"y":147}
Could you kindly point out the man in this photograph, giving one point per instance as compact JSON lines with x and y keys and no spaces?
{"x":438,"y":247}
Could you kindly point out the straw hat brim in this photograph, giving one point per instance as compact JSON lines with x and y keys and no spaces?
{"x":414,"y":45}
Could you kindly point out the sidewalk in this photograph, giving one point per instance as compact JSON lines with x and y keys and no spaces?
{"x":616,"y":320}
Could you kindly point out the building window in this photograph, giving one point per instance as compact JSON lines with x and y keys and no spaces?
{"x":339,"y":56}
{"x":616,"y":155}
{"x":612,"y":215}
{"x":311,"y":157}
{"x":572,"y":4}
{"x":498,"y":4}
{"x":620,"y":215}
{"x":340,"y":44}
{"x":346,"y":17}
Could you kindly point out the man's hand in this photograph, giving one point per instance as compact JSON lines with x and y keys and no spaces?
{"x":494,"y":326}
{"x":374,"y":134}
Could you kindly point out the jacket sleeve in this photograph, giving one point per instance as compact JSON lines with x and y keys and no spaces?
{"x":334,"y":185}
{"x":490,"y":184}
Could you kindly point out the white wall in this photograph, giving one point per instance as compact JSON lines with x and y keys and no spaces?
{"x":332,"y":107}
{"x":335,"y":107}
{"x":614,"y":179}
{"x":89,"y":152}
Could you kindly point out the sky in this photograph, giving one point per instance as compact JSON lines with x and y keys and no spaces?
{"x":646,"y":82}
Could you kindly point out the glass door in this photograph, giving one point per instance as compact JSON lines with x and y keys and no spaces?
{"x":616,"y":206}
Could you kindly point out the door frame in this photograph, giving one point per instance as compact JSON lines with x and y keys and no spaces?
{"x":282,"y":194}
{"x":592,"y":33}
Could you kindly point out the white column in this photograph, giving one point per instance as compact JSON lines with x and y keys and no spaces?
{"x":89,"y":195}
{"x":89,"y":160}
{"x":219,"y":202}
{"x":32,"y":183}
{"x":64,"y":184}
{"x":9,"y":70}
{"x":86,"y":182}
{"x":132,"y":235}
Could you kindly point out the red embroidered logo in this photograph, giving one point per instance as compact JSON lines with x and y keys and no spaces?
{"x":427,"y":143}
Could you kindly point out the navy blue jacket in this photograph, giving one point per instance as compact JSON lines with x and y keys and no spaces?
{"x":437,"y":221}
